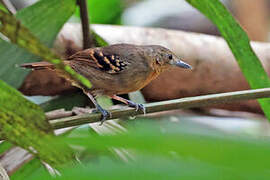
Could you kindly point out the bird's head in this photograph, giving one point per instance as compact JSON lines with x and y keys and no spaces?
{"x":163,"y":58}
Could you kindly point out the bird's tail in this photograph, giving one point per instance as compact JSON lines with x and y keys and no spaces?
{"x":38,"y":65}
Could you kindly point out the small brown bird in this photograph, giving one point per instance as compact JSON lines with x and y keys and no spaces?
{"x":117,"y":69}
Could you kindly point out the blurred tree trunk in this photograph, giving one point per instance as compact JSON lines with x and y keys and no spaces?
{"x":253,"y":16}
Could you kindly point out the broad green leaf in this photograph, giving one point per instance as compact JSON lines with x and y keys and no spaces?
{"x":44,"y":18}
{"x":20,"y":35}
{"x":2,"y":7}
{"x":104,"y":11}
{"x":24,"y":124}
{"x":147,"y":167}
{"x":185,"y":141}
{"x":171,"y":151}
{"x":239,"y":44}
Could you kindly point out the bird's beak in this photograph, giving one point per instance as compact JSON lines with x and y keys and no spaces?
{"x":181,"y":64}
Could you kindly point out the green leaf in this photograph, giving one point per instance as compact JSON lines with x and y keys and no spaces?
{"x":239,"y":44}
{"x":171,"y":151}
{"x":20,"y":35}
{"x":4,"y":146}
{"x":104,"y":11}
{"x":24,"y":124}
{"x":185,"y":140}
{"x":32,"y":168}
{"x":99,"y":41}
{"x":147,"y":167}
{"x":44,"y":18}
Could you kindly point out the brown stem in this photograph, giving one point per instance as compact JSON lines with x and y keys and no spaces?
{"x":87,"y":41}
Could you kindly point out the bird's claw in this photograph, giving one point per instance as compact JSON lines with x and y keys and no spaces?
{"x":137,"y":106}
{"x":104,"y":114}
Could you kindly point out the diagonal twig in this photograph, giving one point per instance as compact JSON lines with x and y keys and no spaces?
{"x":190,"y":102}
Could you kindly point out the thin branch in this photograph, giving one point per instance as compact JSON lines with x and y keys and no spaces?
{"x":190,"y":102}
{"x":3,"y":173}
{"x":14,"y":158}
{"x":9,"y":6}
{"x":59,"y":113}
{"x":87,"y":40}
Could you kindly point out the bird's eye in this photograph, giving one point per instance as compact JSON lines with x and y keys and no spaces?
{"x":170,"y":56}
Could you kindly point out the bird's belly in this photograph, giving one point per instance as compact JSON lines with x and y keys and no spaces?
{"x":123,"y":84}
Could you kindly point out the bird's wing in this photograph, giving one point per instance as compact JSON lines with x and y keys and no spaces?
{"x":96,"y":58}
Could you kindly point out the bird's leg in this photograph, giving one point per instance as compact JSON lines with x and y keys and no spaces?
{"x":105,"y":114}
{"x":130,"y":103}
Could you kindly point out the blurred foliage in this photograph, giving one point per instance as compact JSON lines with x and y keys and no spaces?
{"x":170,"y":151}
{"x":2,"y":7}
{"x":9,"y":97}
{"x":4,"y":146}
{"x":44,"y":19}
{"x":27,"y":127}
{"x":21,"y":36}
{"x":32,"y":168}
{"x":104,"y":11}
{"x":239,"y":44}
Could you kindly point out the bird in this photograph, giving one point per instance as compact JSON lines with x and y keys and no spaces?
{"x":116,"y":69}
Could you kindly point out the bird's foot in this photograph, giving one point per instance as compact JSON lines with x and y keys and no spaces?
{"x":130,"y":103}
{"x":137,"y":106}
{"x":104,"y":114}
